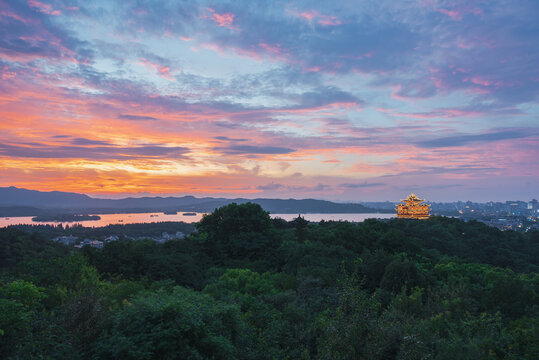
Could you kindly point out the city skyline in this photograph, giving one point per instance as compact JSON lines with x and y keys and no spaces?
{"x":352,"y":101}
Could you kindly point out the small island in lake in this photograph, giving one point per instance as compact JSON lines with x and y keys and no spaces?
{"x":190,"y":214}
{"x":65,"y":218}
{"x":170,"y":212}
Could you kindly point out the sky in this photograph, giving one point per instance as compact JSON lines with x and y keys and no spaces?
{"x":339,"y":100}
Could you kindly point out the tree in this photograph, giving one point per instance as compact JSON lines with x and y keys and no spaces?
{"x":176,"y":324}
{"x":20,"y":302}
{"x":401,"y":273}
{"x":234,"y":219}
{"x":238,"y":232}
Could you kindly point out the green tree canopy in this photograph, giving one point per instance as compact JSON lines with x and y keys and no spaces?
{"x":177,"y":324}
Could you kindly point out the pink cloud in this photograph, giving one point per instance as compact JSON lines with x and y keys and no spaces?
{"x":321,"y":19}
{"x":14,"y":16}
{"x":478,"y":81}
{"x":329,"y":20}
{"x":44,"y":8}
{"x":162,"y":70}
{"x":276,"y":49}
{"x":485,"y":86}
{"x":461,"y":10}
{"x":224,"y":19}
{"x":308,"y":15}
{"x":451,"y":13}
{"x":6,"y":74}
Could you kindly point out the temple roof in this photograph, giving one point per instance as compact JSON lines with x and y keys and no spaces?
{"x":412,"y":197}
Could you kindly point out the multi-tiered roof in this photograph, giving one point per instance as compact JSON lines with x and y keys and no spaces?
{"x":413,"y":208}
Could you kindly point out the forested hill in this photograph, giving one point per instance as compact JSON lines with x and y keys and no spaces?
{"x":245,"y":286}
{"x":23,"y":202}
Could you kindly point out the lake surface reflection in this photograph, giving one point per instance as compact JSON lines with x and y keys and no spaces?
{"x":109,"y":219}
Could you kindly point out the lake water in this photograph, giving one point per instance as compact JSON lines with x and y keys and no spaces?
{"x":108,"y":219}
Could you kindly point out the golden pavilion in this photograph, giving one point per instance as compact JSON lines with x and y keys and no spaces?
{"x":413,"y":208}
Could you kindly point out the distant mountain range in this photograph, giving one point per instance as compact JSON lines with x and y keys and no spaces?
{"x":23,"y":202}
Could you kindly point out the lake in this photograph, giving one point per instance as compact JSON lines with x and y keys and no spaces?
{"x":108,"y":219}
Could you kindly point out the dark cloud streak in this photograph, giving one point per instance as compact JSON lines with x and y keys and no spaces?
{"x":254,"y":150}
{"x":92,"y":153}
{"x":461,"y":140}
{"x":135,"y":117}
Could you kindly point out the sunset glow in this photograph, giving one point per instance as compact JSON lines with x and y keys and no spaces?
{"x":352,"y":101}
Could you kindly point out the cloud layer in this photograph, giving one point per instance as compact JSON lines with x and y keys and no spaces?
{"x":347,"y":101}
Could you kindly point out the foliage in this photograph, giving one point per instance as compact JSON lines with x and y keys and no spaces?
{"x":244,"y":286}
{"x":16,"y":246}
{"x":174,"y":324}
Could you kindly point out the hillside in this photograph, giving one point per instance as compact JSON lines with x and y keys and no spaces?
{"x":23,"y":202}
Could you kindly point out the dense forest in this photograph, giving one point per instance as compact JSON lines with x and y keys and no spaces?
{"x":245,"y":286}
